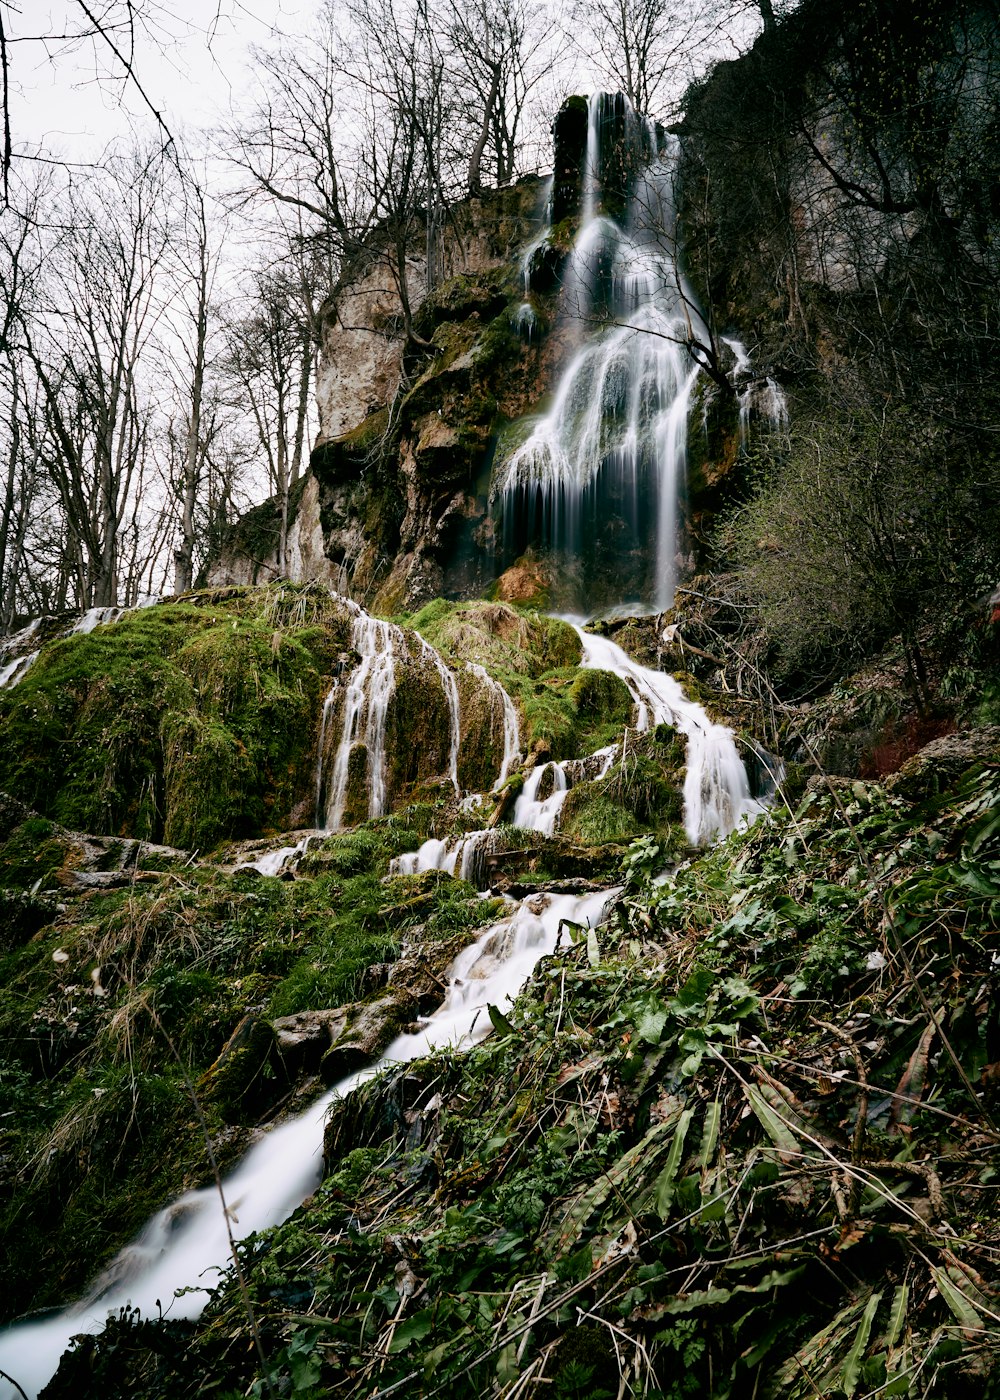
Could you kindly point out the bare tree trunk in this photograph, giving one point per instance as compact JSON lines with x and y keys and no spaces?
{"x":302,"y":407}
{"x":476,"y":158}
{"x":184,"y":553}
{"x":7,"y":576}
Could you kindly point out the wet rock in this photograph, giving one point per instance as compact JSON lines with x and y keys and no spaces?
{"x":526,"y":582}
{"x":569,"y":142}
{"x":304,"y":1038}
{"x":404,"y":1105}
{"x":250,"y":1076}
{"x":371,"y":1026}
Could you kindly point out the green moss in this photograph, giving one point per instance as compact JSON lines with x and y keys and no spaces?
{"x":592,"y":817}
{"x":190,"y":721}
{"x":499,"y":636}
{"x":31,"y":854}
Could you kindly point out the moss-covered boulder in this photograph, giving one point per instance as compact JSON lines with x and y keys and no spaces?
{"x":190,"y":721}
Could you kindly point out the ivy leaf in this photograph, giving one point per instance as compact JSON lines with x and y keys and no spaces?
{"x":649,"y":1026}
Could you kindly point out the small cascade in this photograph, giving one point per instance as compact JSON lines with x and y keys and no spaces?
{"x":525,"y":322}
{"x":16,"y":661}
{"x":450,"y":688}
{"x":366,"y":704}
{"x":186,"y":1246}
{"x":274,"y":862}
{"x":366,"y":699}
{"x":324,"y":725}
{"x":541,"y":814}
{"x":769,"y":401}
{"x":95,"y":617}
{"x":464,"y":856}
{"x":511,"y":723}
{"x":717,"y":797}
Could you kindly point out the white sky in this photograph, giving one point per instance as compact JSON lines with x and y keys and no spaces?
{"x":192,"y":62}
{"x":191,"y":56}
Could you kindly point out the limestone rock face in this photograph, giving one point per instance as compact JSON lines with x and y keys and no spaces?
{"x":393,"y":505}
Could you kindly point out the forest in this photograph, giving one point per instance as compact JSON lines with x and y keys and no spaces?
{"x":500,"y":703}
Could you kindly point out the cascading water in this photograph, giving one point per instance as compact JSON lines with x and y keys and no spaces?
{"x":463,"y":856}
{"x":717,"y":796}
{"x":17,"y":657}
{"x":767,"y":399}
{"x":609,"y":455}
{"x":187,"y":1244}
{"x":611,"y":448}
{"x":366,"y":704}
{"x":367,"y":698}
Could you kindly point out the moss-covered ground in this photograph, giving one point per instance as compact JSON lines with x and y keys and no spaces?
{"x":741,"y":1141}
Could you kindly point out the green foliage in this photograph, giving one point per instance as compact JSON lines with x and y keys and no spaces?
{"x":653,"y":1156}
{"x":99,"y":1130}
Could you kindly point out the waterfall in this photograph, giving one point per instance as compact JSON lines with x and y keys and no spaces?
{"x":511,"y":724}
{"x":769,"y":401}
{"x":187,"y":1244}
{"x":717,"y":797}
{"x":541,"y":815}
{"x":324,"y":725}
{"x":613,"y":443}
{"x":16,"y":661}
{"x":366,"y":703}
{"x":611,"y":448}
{"x":367,"y":697}
{"x":464,"y":855}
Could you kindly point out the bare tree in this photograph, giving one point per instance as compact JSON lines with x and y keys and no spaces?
{"x":193,"y":249}
{"x":646,"y":49}
{"x":498,"y":50}
{"x":86,"y":343}
{"x":265,"y":349}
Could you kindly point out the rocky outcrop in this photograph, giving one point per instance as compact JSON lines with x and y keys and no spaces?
{"x":938,"y":765}
{"x":393,"y":506}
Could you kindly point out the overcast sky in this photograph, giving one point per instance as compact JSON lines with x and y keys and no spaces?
{"x":192,"y":62}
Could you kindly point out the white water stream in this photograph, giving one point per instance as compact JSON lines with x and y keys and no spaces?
{"x":16,"y":657}
{"x":717,"y":797}
{"x":187,"y":1244}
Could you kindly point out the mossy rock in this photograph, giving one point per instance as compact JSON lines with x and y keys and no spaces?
{"x":249,"y":1077}
{"x":478,"y":294}
{"x":193,"y":720}
{"x":569,"y":140}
